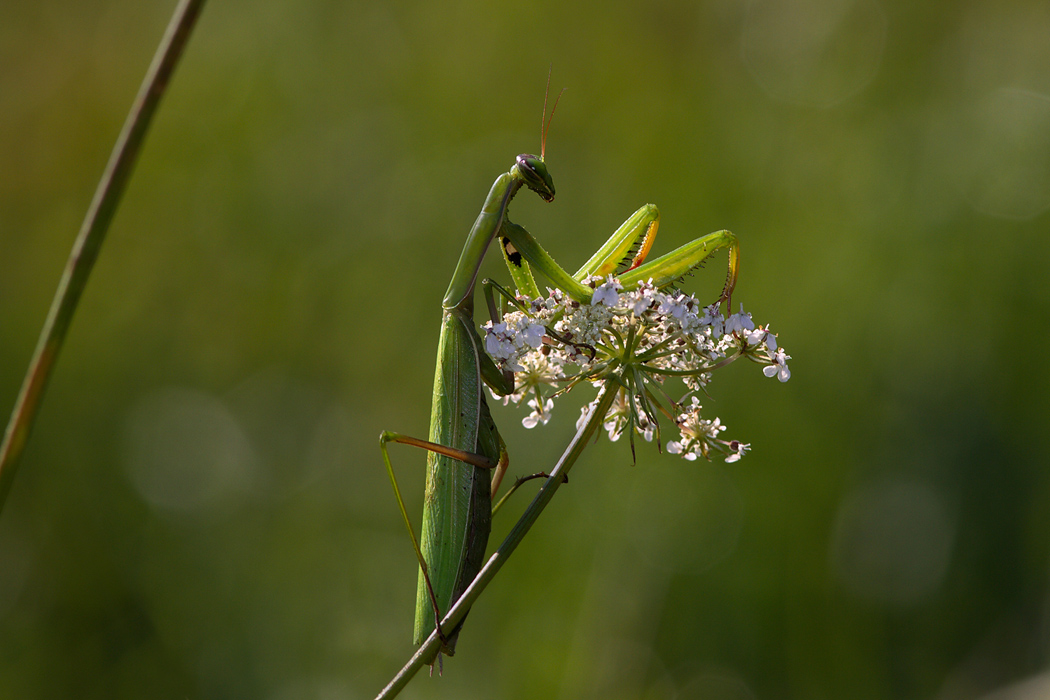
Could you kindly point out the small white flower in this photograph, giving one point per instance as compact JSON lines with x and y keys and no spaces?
{"x":713,"y":317}
{"x":712,"y":427}
{"x":737,"y":450}
{"x":739,"y":323}
{"x":762,"y":335}
{"x":779,"y":368}
{"x":756,"y":336}
{"x":495,"y":340}
{"x":585,"y":414}
{"x":642,"y":298}
{"x":539,"y":416}
{"x":677,"y":448}
{"x":507,"y":399}
{"x":607,"y":293}
{"x":499,"y":342}
{"x":533,"y":335}
{"x":646,"y":428}
{"x":675,"y":305}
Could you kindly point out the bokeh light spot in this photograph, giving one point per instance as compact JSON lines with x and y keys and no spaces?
{"x":1008,"y":170}
{"x":816,"y":53}
{"x":184,"y":450}
{"x":892,"y":541}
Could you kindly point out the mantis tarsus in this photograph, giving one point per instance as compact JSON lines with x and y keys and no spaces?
{"x":466,"y":456}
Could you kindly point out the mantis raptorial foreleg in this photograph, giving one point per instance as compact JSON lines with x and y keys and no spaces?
{"x":625,"y":250}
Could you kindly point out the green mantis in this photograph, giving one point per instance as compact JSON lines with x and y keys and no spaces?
{"x":464,"y":445}
{"x":466,"y":455}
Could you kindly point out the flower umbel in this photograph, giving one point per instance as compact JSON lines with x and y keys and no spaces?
{"x":638,"y":339}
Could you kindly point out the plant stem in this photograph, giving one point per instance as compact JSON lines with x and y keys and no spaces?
{"x":459,"y":610}
{"x":89,"y":240}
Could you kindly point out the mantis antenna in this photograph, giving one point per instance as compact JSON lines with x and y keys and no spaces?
{"x":545,"y":121}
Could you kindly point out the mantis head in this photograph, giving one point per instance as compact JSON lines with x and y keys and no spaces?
{"x":533,"y":171}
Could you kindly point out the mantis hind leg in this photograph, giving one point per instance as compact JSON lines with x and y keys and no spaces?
{"x":486,"y":440}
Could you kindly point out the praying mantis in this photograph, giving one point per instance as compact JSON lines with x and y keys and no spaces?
{"x":467,"y":457}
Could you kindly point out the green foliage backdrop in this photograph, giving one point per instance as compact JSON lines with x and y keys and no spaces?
{"x":202,"y":510}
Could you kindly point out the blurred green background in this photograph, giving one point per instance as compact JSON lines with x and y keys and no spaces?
{"x":202,"y":511}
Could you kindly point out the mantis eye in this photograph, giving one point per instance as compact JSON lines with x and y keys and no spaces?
{"x":534,"y":172}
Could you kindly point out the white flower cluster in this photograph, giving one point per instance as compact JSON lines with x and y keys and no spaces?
{"x":637,"y":339}
{"x":509,"y":340}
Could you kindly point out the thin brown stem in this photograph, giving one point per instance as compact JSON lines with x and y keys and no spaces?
{"x":89,"y":240}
